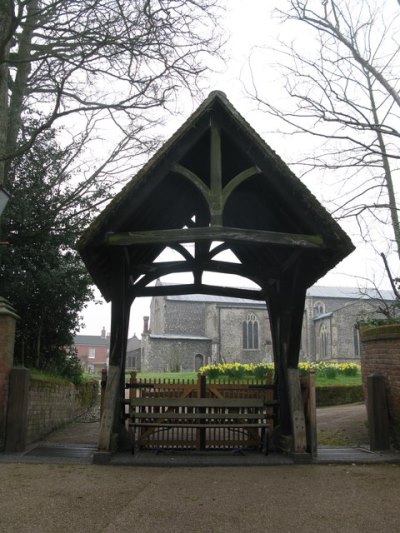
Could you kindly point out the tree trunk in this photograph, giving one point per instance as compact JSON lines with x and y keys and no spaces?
{"x":6,"y":24}
{"x":23,"y":68}
{"x":387,"y":171}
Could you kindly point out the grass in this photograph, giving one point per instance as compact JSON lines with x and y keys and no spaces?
{"x":320,"y":381}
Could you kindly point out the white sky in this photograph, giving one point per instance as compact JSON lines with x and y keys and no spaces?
{"x":251,"y":27}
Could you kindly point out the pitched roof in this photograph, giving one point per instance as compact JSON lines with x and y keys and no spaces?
{"x":350,"y":293}
{"x":316,"y":291}
{"x":274,"y":200}
{"x":133,"y":344}
{"x":91,"y":340}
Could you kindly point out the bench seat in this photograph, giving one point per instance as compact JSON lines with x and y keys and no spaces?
{"x":202,"y":413}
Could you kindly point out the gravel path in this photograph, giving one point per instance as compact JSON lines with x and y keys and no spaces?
{"x":66,"y":498}
{"x":110,"y":499}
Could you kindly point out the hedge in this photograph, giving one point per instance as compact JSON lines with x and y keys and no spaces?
{"x":339,"y":394}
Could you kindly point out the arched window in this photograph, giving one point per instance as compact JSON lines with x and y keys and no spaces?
{"x":356,"y":341}
{"x":319,"y":308}
{"x":323,"y":342}
{"x":250,"y":332}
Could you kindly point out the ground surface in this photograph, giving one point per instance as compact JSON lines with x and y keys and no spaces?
{"x":64,"y":498}
{"x":342,"y":425}
{"x":109,"y":499}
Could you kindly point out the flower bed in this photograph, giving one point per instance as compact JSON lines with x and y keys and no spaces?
{"x":259,"y":371}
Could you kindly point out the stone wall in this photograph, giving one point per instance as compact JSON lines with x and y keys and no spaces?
{"x":186,"y":319}
{"x":172,"y":354}
{"x":231,"y":336}
{"x":51,"y":403}
{"x":380,"y":354}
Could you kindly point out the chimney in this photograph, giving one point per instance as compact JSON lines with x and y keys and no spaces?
{"x":103,"y":333}
{"x":145,"y":325}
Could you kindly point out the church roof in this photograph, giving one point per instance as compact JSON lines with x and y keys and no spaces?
{"x":133,"y":344}
{"x":173,"y":336}
{"x":210,"y":298}
{"x":348,"y":293}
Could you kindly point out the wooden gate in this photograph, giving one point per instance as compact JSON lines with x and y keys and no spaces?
{"x":199,"y":438}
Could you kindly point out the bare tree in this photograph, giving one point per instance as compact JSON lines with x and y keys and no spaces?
{"x":97,"y":63}
{"x":344,"y":90}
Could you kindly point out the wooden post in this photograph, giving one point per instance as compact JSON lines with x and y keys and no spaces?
{"x":201,"y":393}
{"x":17,"y":415}
{"x":297,"y":411}
{"x":112,"y":427}
{"x":132,"y":381}
{"x":311,"y":415}
{"x":378,"y":416}
{"x":103,"y":384}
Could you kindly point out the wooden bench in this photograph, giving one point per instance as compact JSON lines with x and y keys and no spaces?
{"x":202,"y":413}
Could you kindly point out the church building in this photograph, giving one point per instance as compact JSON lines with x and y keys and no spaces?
{"x":188,"y":331}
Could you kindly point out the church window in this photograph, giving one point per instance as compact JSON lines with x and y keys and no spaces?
{"x":250,"y":332}
{"x":323,"y":342}
{"x":356,"y":341}
{"x":319,"y":308}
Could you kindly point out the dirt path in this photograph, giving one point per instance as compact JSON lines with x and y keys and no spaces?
{"x":342,"y":425}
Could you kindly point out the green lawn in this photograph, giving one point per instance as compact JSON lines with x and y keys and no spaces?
{"x":321,"y":381}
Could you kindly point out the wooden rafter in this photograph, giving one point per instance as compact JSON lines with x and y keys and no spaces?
{"x":156,"y":270}
{"x":165,"y":290}
{"x":214,"y":233}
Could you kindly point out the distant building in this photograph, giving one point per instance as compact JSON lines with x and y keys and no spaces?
{"x":191,"y":330}
{"x":93,"y":351}
{"x":133,"y":353}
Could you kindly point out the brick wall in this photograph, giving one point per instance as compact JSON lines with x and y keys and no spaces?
{"x":380,"y":354}
{"x":53,"y":404}
{"x":7,"y":334}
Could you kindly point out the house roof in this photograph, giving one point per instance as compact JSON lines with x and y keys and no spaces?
{"x":91,"y":340}
{"x":261,"y":211}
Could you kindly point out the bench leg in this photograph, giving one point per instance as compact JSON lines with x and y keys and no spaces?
{"x":132,"y":432}
{"x":265,"y":441}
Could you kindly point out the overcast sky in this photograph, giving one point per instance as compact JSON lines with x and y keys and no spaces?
{"x":253,"y":34}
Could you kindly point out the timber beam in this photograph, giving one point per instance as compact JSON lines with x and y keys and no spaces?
{"x":214,"y":233}
{"x":167,"y":290}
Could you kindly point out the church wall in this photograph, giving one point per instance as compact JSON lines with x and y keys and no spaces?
{"x":345,"y":319}
{"x":172,"y":355}
{"x":232,"y":335}
{"x":222,"y":325}
{"x":184,"y":318}
{"x":157,"y":315}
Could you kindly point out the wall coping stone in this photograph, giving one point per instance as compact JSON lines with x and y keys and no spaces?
{"x":381,"y":332}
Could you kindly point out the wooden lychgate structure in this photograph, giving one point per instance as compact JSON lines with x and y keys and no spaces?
{"x":218,"y":185}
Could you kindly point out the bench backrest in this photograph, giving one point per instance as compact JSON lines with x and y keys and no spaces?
{"x":243,"y":403}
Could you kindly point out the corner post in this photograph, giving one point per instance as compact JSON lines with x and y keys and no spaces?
{"x":8,"y":318}
{"x":112,"y":427}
